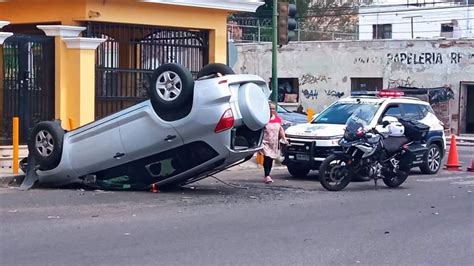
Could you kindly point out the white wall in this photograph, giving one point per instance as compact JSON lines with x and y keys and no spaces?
{"x":426,"y":26}
{"x":325,"y":67}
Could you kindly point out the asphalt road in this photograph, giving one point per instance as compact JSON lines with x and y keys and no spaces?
{"x":428,"y":221}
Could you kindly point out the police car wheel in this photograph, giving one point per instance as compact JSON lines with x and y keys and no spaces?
{"x":432,"y":162}
{"x":297,"y":171}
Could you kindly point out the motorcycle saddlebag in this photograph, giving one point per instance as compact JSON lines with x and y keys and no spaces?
{"x":415,"y":130}
{"x":414,"y":155}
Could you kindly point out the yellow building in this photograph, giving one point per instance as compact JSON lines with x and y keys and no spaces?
{"x":79,"y":60}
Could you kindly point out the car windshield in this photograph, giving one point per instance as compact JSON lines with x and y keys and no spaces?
{"x":282,"y":110}
{"x":338,"y":113}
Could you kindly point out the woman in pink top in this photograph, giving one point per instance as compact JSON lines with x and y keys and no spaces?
{"x":272,"y":135}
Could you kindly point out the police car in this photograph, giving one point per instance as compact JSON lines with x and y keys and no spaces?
{"x":310,"y":143}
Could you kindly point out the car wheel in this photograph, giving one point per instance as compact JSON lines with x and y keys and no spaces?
{"x":297,"y":171}
{"x":172,"y":86}
{"x":46,"y":144}
{"x":432,"y":162}
{"x":215,"y":70}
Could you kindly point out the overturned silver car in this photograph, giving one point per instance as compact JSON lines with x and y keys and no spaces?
{"x":187,"y":130}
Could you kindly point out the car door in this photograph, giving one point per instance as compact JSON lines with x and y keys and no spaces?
{"x":144,"y":134}
{"x":95,"y":146}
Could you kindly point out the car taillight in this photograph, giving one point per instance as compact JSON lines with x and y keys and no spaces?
{"x":391,"y":93}
{"x":226,"y":122}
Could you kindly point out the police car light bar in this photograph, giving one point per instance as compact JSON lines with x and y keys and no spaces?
{"x":391,"y":93}
{"x":364,"y":93}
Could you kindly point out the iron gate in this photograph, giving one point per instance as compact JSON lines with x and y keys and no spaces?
{"x":125,"y":62}
{"x":28,"y":83}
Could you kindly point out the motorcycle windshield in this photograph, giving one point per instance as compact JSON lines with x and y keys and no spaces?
{"x":358,"y":122}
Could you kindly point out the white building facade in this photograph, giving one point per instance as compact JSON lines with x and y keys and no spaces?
{"x":410,"y":19}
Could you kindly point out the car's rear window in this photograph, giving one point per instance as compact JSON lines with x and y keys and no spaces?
{"x":338,"y":113}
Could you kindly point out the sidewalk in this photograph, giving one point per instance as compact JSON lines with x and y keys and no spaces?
{"x":461,"y":140}
{"x":8,"y":178}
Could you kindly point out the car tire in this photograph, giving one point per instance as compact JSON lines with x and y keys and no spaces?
{"x":172,"y":86}
{"x":432,"y":161}
{"x":215,"y":70}
{"x":46,"y":144}
{"x":296,"y":171}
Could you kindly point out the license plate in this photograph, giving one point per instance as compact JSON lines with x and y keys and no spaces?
{"x":302,"y":157}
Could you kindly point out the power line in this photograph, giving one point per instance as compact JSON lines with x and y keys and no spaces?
{"x":357,"y":7}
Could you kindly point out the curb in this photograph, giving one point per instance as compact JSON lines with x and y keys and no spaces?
{"x":11,"y":180}
{"x":464,"y":144}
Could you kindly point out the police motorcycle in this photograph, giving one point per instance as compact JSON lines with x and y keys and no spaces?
{"x":383,"y":152}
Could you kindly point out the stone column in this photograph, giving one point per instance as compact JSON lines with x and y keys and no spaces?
{"x":80,"y":70}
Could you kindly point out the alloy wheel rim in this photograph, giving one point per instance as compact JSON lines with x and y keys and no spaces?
{"x":169,"y":86}
{"x":44,"y":143}
{"x":434,"y":159}
{"x":336,"y":173}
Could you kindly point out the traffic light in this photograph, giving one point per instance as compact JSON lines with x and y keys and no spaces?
{"x":292,"y":23}
{"x":286,"y":22}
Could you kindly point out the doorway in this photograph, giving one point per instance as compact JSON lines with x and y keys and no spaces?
{"x":466,"y":110}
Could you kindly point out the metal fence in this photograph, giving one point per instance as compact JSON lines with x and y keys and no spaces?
{"x":28,"y":84}
{"x":257,"y":34}
{"x":127,"y":59}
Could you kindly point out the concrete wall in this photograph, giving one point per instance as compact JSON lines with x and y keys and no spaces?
{"x":325,"y":69}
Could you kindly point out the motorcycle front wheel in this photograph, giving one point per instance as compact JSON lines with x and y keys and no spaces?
{"x":334,"y":173}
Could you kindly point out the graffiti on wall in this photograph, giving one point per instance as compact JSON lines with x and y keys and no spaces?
{"x":312,"y":79}
{"x":395,"y":83}
{"x":333,"y":93}
{"x":368,"y":60}
{"x":310,"y":94}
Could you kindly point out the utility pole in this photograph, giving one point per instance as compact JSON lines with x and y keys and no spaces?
{"x":411,"y":18}
{"x":274,"y":53}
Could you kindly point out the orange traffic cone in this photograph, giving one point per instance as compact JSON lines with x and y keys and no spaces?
{"x":453,"y":162}
{"x":471,"y":169}
{"x":153,"y":188}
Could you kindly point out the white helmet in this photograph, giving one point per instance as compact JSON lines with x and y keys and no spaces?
{"x":396,"y":129}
